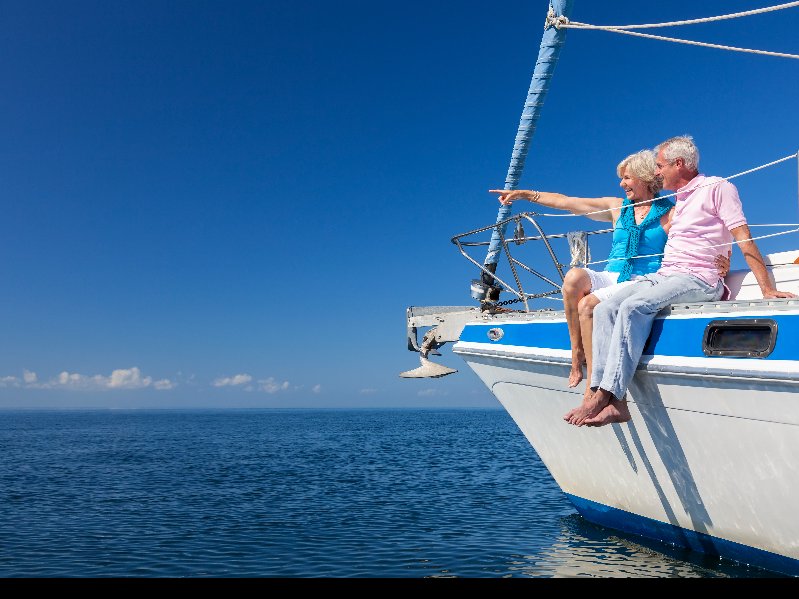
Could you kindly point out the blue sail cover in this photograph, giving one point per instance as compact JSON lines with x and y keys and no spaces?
{"x":548,"y":53}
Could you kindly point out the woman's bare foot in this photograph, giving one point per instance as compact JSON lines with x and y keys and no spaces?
{"x":615,"y":411}
{"x":576,"y":373}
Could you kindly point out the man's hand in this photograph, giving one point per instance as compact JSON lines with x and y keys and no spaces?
{"x":723,"y":264}
{"x":774,"y":294}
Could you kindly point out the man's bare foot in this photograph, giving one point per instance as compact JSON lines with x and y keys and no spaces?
{"x":586,"y":397}
{"x":576,"y":373}
{"x":615,"y":411}
{"x":590,"y":407}
{"x":569,"y":414}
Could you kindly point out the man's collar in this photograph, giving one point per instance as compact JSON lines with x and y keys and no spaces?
{"x":686,"y":189}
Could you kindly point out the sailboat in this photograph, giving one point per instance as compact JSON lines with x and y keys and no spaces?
{"x":710,"y":459}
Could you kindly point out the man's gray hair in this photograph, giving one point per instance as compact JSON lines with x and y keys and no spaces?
{"x":682,"y":146}
{"x":642,"y":166}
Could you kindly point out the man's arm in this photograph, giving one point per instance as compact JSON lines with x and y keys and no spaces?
{"x":756,"y":263}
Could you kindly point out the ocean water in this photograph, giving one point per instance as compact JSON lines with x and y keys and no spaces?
{"x":300,"y":494}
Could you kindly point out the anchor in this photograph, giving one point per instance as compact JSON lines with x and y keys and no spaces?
{"x":428,"y":369}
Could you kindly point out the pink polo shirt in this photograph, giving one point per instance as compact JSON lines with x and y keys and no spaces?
{"x":704,"y":212}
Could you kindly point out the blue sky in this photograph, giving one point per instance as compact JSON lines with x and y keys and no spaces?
{"x":231,"y":204}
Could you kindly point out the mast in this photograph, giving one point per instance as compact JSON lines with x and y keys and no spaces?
{"x":551,"y":43}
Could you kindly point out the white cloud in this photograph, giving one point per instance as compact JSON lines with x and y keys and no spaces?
{"x":121,"y":378}
{"x":9,"y":381}
{"x":432,"y":392}
{"x":270,"y":385}
{"x":232,"y":381}
{"x":128,"y":378}
{"x":317,"y":388}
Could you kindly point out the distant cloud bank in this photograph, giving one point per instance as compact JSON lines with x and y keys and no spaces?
{"x":232,"y":381}
{"x":245,"y":381}
{"x":432,"y":393}
{"x":271,"y":385}
{"x":132,"y":378}
{"x":122,"y":378}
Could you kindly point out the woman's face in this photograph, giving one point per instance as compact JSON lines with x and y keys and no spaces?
{"x":633,"y":187}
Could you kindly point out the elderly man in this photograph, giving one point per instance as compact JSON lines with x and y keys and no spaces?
{"x":707,"y":216}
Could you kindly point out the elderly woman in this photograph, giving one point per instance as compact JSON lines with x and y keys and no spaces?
{"x":641,"y":223}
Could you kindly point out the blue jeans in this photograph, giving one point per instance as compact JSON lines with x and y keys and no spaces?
{"x":622,"y":324}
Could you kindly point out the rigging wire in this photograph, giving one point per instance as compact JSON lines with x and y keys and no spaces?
{"x":746,"y":172}
{"x":578,"y":25}
{"x":704,"y":44}
{"x":718,"y":245}
{"x":716,"y":181}
{"x":564,"y":23}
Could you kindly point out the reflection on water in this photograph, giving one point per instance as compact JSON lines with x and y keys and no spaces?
{"x":586,"y":550}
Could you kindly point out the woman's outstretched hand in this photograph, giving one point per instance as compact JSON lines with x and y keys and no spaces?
{"x":508,"y":196}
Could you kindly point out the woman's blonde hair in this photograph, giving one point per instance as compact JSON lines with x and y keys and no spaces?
{"x":642,"y":166}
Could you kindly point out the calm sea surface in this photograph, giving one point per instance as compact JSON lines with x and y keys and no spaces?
{"x":296,"y":493}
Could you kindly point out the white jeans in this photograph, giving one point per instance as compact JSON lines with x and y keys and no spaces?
{"x":623,"y":322}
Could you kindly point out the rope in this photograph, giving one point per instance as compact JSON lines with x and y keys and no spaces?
{"x":562,"y":22}
{"x":746,"y":172}
{"x":577,"y":25}
{"x":751,"y":170}
{"x":693,"y":43}
{"x":708,"y":246}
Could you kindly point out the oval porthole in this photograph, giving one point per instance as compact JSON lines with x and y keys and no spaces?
{"x":495,"y":334}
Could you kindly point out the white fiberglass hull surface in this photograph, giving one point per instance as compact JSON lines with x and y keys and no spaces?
{"x":709,"y":459}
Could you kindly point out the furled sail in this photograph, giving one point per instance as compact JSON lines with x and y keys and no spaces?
{"x":551,"y":43}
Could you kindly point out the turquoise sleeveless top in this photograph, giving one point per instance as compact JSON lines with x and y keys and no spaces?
{"x":630,"y":239}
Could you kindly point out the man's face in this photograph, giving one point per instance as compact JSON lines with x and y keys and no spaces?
{"x":668,"y":170}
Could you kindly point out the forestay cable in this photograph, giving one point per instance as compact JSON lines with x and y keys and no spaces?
{"x":577,"y":24}
{"x":746,"y":172}
{"x":562,"y":22}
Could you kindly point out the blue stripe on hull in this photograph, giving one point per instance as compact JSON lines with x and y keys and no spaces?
{"x":681,"y":537}
{"x":669,"y":337}
{"x":551,"y":335}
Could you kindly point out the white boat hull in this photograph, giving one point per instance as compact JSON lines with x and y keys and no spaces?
{"x":709,"y":459}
